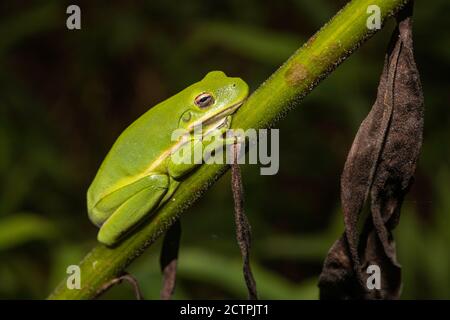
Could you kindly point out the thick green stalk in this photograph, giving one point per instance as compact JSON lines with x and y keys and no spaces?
{"x":281,"y":92}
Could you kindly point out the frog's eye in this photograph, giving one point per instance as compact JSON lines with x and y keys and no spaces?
{"x":204,"y":100}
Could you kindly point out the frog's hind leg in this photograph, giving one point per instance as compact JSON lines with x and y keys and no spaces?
{"x":109,"y":203}
{"x":134,"y":209}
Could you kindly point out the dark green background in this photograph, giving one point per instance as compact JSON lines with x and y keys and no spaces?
{"x":66,"y":95}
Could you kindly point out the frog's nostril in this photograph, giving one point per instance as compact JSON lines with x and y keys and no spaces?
{"x":234,"y":85}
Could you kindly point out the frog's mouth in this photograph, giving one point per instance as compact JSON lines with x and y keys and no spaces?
{"x":217,"y":121}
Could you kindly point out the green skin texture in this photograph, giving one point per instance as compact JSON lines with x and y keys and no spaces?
{"x":138,"y":174}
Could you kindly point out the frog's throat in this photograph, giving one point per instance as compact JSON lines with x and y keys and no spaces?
{"x":217,"y":117}
{"x":221,"y":123}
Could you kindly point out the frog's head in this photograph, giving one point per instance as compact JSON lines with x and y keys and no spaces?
{"x":212,"y":100}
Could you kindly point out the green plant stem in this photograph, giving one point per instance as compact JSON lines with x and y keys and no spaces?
{"x":281,"y":92}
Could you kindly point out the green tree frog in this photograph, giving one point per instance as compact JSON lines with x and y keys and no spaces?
{"x":138,"y":174}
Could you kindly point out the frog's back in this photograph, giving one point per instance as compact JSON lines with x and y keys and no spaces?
{"x":139,"y":146}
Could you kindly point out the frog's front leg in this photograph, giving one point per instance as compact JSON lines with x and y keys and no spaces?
{"x":190,"y":155}
{"x":183,"y":160}
{"x":138,"y":202}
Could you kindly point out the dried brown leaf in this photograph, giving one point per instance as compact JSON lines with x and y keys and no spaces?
{"x":380,"y":165}
{"x":169,"y":260}
{"x":243,"y":230}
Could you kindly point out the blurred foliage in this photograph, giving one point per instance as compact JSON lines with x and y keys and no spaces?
{"x":66,"y":95}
